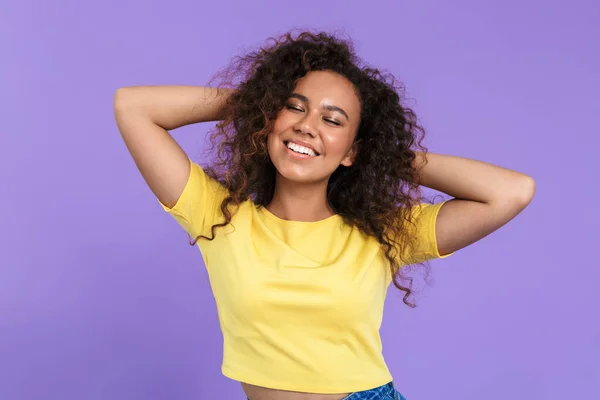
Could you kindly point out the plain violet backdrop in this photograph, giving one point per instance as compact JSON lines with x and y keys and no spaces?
{"x":101,"y":297}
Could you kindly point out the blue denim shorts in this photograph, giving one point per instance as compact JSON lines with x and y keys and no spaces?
{"x":385,"y":392}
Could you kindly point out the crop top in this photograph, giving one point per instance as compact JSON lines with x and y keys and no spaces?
{"x":300,"y":304}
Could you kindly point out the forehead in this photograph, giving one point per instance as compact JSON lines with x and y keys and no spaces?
{"x":329,"y":87}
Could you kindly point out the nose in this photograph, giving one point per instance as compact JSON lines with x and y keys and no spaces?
{"x":305,"y":126}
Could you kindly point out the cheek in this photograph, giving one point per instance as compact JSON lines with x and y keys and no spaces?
{"x":338,"y":147}
{"x":274,"y":145}
{"x":276,"y":130}
{"x":281,"y":123}
{"x":271,"y":139}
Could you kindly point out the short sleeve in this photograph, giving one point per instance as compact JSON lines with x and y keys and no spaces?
{"x":199,"y":205}
{"x":424,"y":216}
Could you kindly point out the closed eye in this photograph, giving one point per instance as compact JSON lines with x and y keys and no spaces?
{"x":293,"y":107}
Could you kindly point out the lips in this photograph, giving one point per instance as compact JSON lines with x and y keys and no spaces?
{"x":298,"y":145}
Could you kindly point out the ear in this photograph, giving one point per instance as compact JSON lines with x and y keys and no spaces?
{"x":351,"y":156}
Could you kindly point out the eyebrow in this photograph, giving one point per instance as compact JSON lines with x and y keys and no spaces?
{"x":328,"y":107}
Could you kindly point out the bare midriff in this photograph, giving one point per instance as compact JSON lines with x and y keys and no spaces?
{"x":263,"y":393}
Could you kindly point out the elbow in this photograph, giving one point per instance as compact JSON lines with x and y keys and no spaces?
{"x":520,"y":194}
{"x":516,"y":197}
{"x":130,"y":97}
{"x":127,"y":101}
{"x":121,"y":98}
{"x":526,"y":190}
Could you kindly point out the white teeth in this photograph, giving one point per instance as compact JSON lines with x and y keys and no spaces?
{"x":300,"y":149}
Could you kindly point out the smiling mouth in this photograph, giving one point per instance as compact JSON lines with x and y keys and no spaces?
{"x":296,"y":148}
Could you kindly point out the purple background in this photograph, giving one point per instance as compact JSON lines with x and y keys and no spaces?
{"x":101,"y":297}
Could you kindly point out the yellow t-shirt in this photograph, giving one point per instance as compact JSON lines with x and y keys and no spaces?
{"x":300,"y":304}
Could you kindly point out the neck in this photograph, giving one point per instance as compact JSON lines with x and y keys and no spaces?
{"x":305,"y":202}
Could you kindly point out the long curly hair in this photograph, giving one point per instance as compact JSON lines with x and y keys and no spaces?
{"x":376,"y":194}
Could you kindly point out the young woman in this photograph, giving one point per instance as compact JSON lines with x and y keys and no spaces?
{"x":311,"y":210}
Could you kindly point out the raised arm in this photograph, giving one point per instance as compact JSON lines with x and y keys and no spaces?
{"x":485,"y":197}
{"x":144,"y":114}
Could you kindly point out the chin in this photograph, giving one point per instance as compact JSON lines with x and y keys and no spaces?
{"x":293,"y":175}
{"x":297,"y":170}
{"x":292,"y":172}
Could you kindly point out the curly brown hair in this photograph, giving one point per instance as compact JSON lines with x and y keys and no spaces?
{"x":376,"y":194}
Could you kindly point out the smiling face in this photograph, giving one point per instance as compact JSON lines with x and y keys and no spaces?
{"x":314,"y":132}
